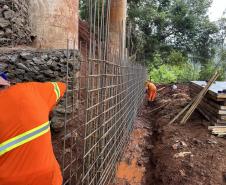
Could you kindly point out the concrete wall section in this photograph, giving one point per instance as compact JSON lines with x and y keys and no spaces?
{"x":118,"y":23}
{"x":53,"y":22}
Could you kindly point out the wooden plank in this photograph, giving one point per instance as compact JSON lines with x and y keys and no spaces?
{"x":213,"y":109}
{"x":214,"y":103}
{"x":212,"y":127}
{"x":205,"y":115}
{"x":181,"y":112}
{"x":209,"y":116}
{"x":218,"y":121}
{"x":223,"y":118}
{"x":210,"y":113}
{"x":219,"y":129}
{"x":214,"y":88}
{"x":198,"y":99}
{"x":196,"y":91}
{"x":199,"y":88}
{"x":216,"y":112}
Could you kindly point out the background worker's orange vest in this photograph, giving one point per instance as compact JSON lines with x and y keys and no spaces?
{"x":151,"y":91}
{"x":23,"y":108}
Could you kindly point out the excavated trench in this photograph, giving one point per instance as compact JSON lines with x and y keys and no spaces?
{"x":151,"y":176}
{"x":139,"y":161}
{"x":163,"y":154}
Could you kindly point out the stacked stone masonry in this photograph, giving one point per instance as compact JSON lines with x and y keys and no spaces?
{"x":40,"y":66}
{"x":14,"y":23}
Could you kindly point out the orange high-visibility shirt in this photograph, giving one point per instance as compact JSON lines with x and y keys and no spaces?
{"x":26,"y":153}
{"x":151,"y":91}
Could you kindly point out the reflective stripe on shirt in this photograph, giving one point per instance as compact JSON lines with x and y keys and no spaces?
{"x":56,"y":90}
{"x":24,"y":138}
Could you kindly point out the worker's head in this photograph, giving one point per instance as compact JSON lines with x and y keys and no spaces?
{"x":3,"y":83}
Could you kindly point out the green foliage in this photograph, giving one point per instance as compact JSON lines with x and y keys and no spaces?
{"x":163,"y":74}
{"x":83,"y":9}
{"x":157,"y":61}
{"x":176,"y":58}
{"x":174,"y":74}
{"x":174,"y":38}
{"x":171,"y":25}
{"x":221,"y":35}
{"x":208,"y":69}
{"x":177,"y":69}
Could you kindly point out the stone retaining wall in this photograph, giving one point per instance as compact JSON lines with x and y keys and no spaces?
{"x":14,"y":23}
{"x":33,"y":65}
{"x":40,"y":66}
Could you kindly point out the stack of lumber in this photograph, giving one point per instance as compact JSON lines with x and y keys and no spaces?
{"x":213,"y":104}
{"x":220,"y":131}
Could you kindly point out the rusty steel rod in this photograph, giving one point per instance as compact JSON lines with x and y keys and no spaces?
{"x":101,"y":103}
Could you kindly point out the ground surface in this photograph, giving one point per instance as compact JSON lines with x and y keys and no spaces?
{"x":163,"y":154}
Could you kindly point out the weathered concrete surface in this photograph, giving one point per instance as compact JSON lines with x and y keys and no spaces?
{"x":53,"y":22}
{"x":118,"y":23}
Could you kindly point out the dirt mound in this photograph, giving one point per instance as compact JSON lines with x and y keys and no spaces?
{"x":173,"y":100}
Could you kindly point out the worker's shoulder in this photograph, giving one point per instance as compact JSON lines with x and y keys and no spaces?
{"x":23,"y":86}
{"x":151,"y":84}
{"x":30,"y":86}
{"x":33,"y":84}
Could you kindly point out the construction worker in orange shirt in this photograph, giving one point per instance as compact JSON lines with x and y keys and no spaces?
{"x":26,"y":153}
{"x":151,"y":92}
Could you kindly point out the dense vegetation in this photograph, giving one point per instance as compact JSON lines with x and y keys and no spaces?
{"x":176,"y":39}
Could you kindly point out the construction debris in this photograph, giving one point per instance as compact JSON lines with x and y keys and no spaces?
{"x":199,"y":97}
{"x":213,"y":105}
{"x":158,"y":108}
{"x":195,"y":101}
{"x":220,"y":131}
{"x":182,"y":154}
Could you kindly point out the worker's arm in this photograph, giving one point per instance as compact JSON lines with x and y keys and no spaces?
{"x":59,"y":90}
{"x":51,"y":92}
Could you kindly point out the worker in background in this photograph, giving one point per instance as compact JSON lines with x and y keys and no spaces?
{"x":151,"y":92}
{"x":26,"y":153}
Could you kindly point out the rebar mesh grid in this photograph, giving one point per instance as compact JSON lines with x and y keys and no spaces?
{"x":101,"y":106}
{"x":74,"y":120}
{"x":111,"y":93}
{"x":114,"y":94}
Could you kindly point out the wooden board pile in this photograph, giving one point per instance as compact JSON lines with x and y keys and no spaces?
{"x":213,"y":104}
{"x":219,"y":131}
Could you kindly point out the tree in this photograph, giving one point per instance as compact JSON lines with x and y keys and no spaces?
{"x":166,"y":25}
{"x":83,"y":9}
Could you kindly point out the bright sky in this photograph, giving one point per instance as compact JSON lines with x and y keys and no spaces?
{"x":217,"y":9}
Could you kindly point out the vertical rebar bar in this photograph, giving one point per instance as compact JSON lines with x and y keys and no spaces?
{"x":112,"y":89}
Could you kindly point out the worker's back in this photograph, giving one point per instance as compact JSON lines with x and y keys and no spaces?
{"x":151,"y":86}
{"x":151,"y":91}
{"x":26,"y":154}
